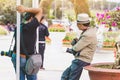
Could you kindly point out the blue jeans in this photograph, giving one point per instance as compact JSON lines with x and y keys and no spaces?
{"x":22,"y":66}
{"x":73,"y":72}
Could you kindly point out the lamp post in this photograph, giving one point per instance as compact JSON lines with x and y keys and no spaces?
{"x":35,"y":3}
{"x":18,"y":44}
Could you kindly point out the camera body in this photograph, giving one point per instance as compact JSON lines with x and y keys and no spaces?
{"x":4,"y":53}
{"x":71,"y":51}
{"x":74,"y":41}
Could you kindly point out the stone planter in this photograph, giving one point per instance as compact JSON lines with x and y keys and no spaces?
{"x":96,"y":73}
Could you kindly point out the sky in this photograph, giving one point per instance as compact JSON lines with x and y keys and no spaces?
{"x":114,"y":0}
{"x":118,"y":1}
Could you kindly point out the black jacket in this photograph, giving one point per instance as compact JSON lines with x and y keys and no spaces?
{"x":43,"y":31}
{"x":28,"y":37}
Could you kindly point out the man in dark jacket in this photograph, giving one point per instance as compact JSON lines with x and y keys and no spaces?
{"x":27,"y":38}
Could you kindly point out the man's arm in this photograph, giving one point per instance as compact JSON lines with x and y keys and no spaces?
{"x":36,"y":11}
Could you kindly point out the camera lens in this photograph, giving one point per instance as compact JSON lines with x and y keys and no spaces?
{"x":2,"y":53}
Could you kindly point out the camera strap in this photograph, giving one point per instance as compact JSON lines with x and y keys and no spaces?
{"x":78,"y":53}
{"x":12,"y":42}
{"x":81,"y":34}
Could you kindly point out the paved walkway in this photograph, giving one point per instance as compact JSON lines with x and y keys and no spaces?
{"x":56,"y":61}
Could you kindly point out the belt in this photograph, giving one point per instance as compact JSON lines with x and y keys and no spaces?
{"x":21,"y":55}
{"x":41,"y":41}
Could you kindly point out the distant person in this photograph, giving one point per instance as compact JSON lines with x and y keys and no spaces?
{"x":43,"y":32}
{"x":83,"y":48}
{"x":8,"y":24}
{"x":28,"y":38}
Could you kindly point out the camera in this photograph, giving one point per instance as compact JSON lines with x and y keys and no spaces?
{"x":4,"y":53}
{"x":71,"y":51}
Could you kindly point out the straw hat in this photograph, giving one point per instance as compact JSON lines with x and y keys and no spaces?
{"x":83,"y":18}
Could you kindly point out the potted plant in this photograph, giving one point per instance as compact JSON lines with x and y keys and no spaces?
{"x":107,"y":70}
{"x":103,"y":71}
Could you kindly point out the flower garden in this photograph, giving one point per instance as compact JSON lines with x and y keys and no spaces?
{"x":109,"y":18}
{"x":111,"y":21}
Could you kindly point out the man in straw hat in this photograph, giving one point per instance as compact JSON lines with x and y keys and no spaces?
{"x":83,"y":48}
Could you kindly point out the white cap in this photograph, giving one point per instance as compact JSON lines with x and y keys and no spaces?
{"x":83,"y":18}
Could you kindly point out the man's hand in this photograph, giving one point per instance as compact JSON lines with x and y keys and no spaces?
{"x":21,"y":9}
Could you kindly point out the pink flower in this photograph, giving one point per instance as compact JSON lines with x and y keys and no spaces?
{"x":114,"y":24}
{"x":118,"y":8}
{"x":108,"y":16}
{"x":98,"y":14}
{"x":102,"y":16}
{"x":106,"y":10}
{"x":103,"y":23}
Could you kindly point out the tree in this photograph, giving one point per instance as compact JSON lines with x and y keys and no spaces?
{"x":81,"y":6}
{"x":8,"y":11}
{"x":27,"y":3}
{"x":46,"y":4}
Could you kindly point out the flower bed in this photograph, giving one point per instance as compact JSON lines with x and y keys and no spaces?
{"x":110,"y":39}
{"x":109,"y":44}
{"x":56,"y":28}
{"x":68,"y":38}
